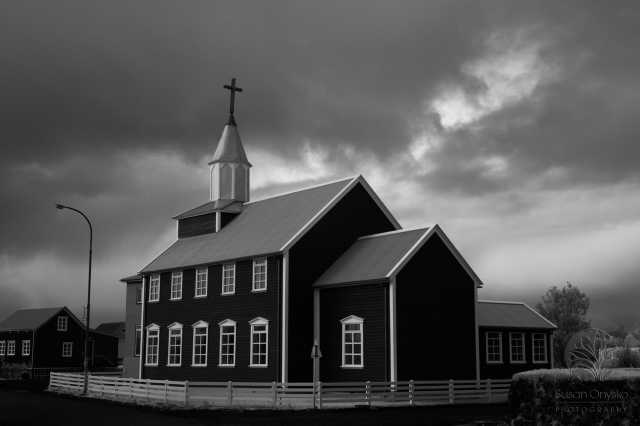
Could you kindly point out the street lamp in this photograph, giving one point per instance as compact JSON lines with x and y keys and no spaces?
{"x":86,"y":329}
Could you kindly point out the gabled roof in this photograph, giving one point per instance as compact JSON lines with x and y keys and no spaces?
{"x":271,"y":225}
{"x":131,"y":279}
{"x":231,"y":206}
{"x":115,"y":329}
{"x":30,"y":319}
{"x":510,"y":315}
{"x":381,"y":256}
{"x":229,"y":147}
{"x":371,"y":257}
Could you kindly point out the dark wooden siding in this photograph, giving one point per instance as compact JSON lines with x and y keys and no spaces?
{"x":48,"y":346}
{"x":435,"y":316}
{"x":241,"y":307}
{"x":368,"y":302}
{"x":354,"y":215}
{"x":18,"y":337}
{"x":197,"y":225}
{"x":506,"y":369}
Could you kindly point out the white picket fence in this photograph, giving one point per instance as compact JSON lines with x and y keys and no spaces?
{"x":284,"y":395}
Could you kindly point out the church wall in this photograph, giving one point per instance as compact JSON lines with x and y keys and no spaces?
{"x":241,"y":307}
{"x":197,"y":225}
{"x":368,"y":302}
{"x":130,"y":362}
{"x":435,"y":316}
{"x":354,"y":215}
{"x":506,"y":368}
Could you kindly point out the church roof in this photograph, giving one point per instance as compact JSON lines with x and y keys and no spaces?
{"x":371,"y":257}
{"x":510,"y":315}
{"x":267,"y":226}
{"x":231,"y":206}
{"x":30,"y":319}
{"x":378,"y":257}
{"x":230,"y":147}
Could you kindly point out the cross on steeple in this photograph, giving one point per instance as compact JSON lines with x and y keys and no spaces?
{"x":233,"y":89}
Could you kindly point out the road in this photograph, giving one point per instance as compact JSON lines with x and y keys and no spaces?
{"x":22,"y":407}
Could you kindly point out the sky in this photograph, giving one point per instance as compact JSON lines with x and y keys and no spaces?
{"x":513,"y":125}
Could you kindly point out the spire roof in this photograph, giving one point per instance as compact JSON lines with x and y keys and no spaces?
{"x":230,"y":148}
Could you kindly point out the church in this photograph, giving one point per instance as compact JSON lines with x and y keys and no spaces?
{"x":250,"y":288}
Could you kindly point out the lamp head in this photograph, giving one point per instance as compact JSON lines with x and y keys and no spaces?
{"x":60,"y":206}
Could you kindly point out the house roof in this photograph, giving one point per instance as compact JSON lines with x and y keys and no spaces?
{"x":510,"y":315}
{"x":28,"y":319}
{"x":381,"y":256}
{"x":115,"y":329}
{"x":131,"y":279}
{"x":371,"y":257}
{"x":271,"y":225}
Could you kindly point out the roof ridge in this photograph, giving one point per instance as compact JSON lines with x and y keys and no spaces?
{"x":350,"y":178}
{"x":396,"y":231}
{"x":539,"y":314}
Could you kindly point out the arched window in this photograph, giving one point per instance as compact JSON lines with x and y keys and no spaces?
{"x":227,"y":343}
{"x":200,"y":344}
{"x":153,"y":343}
{"x":175,"y":345}
{"x":259,"y":346}
{"x":352,"y":342}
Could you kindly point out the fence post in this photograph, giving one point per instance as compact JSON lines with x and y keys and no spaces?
{"x":166,"y":392}
{"x":147,"y":389}
{"x":229,"y":393}
{"x":489,"y":390}
{"x":451,"y":392}
{"x":274,"y":392}
{"x":131,"y":388}
{"x":319,"y":394}
{"x":410,"y":392}
{"x":367,"y":392}
{"x":186,"y":393}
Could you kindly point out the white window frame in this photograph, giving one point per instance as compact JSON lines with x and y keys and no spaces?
{"x":533,"y":348}
{"x":228,"y":282}
{"x":512,"y":360}
{"x":149,"y":359}
{"x":259,"y":321}
{"x":351,"y":320}
{"x":67,"y":349}
{"x":202,"y":290}
{"x":259,"y":285}
{"x":197,"y":326}
{"x":176,"y":326}
{"x":2,"y":347}
{"x":26,"y":347}
{"x":63,"y":323}
{"x":11,"y":347}
{"x":139,"y":295}
{"x":175,"y":290}
{"x":154,"y":288}
{"x":222,"y":324}
{"x":486,"y":347}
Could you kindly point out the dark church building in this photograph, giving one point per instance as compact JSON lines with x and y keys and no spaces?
{"x":249,"y":286}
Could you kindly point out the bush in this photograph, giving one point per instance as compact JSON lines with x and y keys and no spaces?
{"x":564,"y":396}
{"x":628,"y":358}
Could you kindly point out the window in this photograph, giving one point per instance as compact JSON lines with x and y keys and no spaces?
{"x":229,"y":278}
{"x":259,"y":342}
{"x":154,"y":288}
{"x":200,"y":343}
{"x":494,"y":347}
{"x":539,"y":346}
{"x":259,"y":274}
{"x":26,"y":347}
{"x":139,"y":294}
{"x":176,"y":286}
{"x":138,"y":341}
{"x":67,"y":349}
{"x":227,"y":343}
{"x":352,"y":345}
{"x":175,"y":345}
{"x":63,"y":323}
{"x":153,"y":342}
{"x":11,"y":347}
{"x":516,"y":345}
{"x":202,"y":278}
{"x":2,"y":348}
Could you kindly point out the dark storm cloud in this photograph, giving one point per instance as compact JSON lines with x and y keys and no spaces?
{"x":89,"y":90}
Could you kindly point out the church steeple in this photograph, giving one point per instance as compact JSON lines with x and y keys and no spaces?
{"x":229,"y":167}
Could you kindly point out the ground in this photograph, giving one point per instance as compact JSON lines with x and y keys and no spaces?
{"x":27,"y":407}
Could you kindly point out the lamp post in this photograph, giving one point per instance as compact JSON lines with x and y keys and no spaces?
{"x":86,"y":329}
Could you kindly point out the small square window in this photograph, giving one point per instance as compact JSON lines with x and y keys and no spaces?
{"x":259,"y":274}
{"x":494,"y":347}
{"x":11,"y":347}
{"x":67,"y":349}
{"x":63,"y":322}
{"x":154,"y":288}
{"x":26,"y":347}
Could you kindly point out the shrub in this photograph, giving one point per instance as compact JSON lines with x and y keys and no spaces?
{"x":626,"y":357}
{"x":564,"y":396}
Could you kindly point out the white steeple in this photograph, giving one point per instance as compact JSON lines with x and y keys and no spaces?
{"x":229,"y":167}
